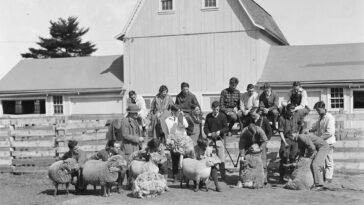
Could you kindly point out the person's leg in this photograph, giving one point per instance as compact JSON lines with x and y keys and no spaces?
{"x":329,"y":165}
{"x":220,"y":151}
{"x":264,"y":160}
{"x":232,"y":118}
{"x":175,"y":160}
{"x":284,"y":155}
{"x":318,"y":164}
{"x":274,"y":116}
{"x":215,"y":178}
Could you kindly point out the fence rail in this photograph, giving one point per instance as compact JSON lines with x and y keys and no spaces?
{"x":31,"y":144}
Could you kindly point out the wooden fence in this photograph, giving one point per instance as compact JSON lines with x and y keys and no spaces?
{"x":29,"y":145}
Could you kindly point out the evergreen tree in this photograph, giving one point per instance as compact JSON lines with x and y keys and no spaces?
{"x":65,"y":41}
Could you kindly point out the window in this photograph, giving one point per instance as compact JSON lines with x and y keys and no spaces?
{"x":337,"y":98}
{"x":167,"y":5}
{"x":148,"y":103}
{"x":23,"y":107}
{"x":58,"y":104}
{"x":210,"y":3}
{"x":358,"y":99}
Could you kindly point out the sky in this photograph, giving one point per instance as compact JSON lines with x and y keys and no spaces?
{"x":303,"y":22}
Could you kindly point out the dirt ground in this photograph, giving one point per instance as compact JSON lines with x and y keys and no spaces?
{"x":36,"y":189}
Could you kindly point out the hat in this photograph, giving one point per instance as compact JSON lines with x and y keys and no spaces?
{"x":133,"y":108}
{"x":72,"y":144}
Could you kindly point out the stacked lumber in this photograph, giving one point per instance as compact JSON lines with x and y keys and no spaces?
{"x":90,"y":134}
{"x":33,"y":147}
{"x":5,"y":155}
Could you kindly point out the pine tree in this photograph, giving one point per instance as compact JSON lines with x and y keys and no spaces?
{"x":65,"y":41}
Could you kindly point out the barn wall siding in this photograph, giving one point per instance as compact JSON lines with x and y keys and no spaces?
{"x":186,"y":18}
{"x":206,"y":61}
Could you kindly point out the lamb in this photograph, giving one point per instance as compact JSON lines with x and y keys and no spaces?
{"x":97,"y":172}
{"x":252,"y":172}
{"x":302,"y":177}
{"x":138,"y":167}
{"x":198,"y":170}
{"x":62,"y":172}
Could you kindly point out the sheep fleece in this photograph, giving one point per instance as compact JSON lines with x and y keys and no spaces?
{"x":96,"y":172}
{"x":149,"y":184}
{"x":58,"y":175}
{"x":251,"y":172}
{"x":302,"y":177}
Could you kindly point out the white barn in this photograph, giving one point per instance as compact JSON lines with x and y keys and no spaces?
{"x":201,"y":42}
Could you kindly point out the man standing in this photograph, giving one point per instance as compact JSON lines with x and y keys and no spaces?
{"x":215,"y":128}
{"x":140,"y":102}
{"x":290,"y":123}
{"x":253,"y":134}
{"x":230,"y":102}
{"x":298,"y":97}
{"x":315,"y":148}
{"x":268,"y":103}
{"x":185,"y":99}
{"x":325,"y":128}
{"x":80,"y":156}
{"x":131,"y":134}
{"x":249,"y":99}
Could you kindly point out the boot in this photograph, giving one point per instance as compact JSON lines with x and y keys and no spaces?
{"x":222,"y":171}
{"x":282,"y":171}
{"x":215,"y":179}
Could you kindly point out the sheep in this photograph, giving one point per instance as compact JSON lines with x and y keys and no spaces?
{"x":62,"y":172}
{"x":252,"y":172}
{"x":97,"y":172}
{"x":137,"y":167}
{"x":149,"y":184}
{"x":302,"y":177}
{"x":198,"y":170}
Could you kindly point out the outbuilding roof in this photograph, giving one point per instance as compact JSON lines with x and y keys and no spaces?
{"x":313,"y":64}
{"x":64,"y":74}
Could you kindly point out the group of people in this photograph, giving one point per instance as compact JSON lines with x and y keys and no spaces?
{"x":258,"y":117}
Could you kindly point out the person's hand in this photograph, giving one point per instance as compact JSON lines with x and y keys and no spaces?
{"x":313,"y":155}
{"x":286,"y":144}
{"x":213,"y":135}
{"x":265,"y":110}
{"x":242,"y":159}
{"x":158,"y":114}
{"x":141,"y":139}
{"x":245,"y":112}
{"x":209,"y":135}
{"x":218,"y":133}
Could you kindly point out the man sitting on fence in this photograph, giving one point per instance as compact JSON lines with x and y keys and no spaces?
{"x":80,"y":156}
{"x":230,"y":102}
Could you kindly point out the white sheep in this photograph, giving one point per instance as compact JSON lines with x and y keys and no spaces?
{"x":61,"y":172}
{"x":97,"y":172}
{"x":138,"y":167}
{"x":198,"y":170}
{"x":302,"y":177}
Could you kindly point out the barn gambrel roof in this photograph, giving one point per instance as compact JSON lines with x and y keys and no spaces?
{"x":257,"y":15}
